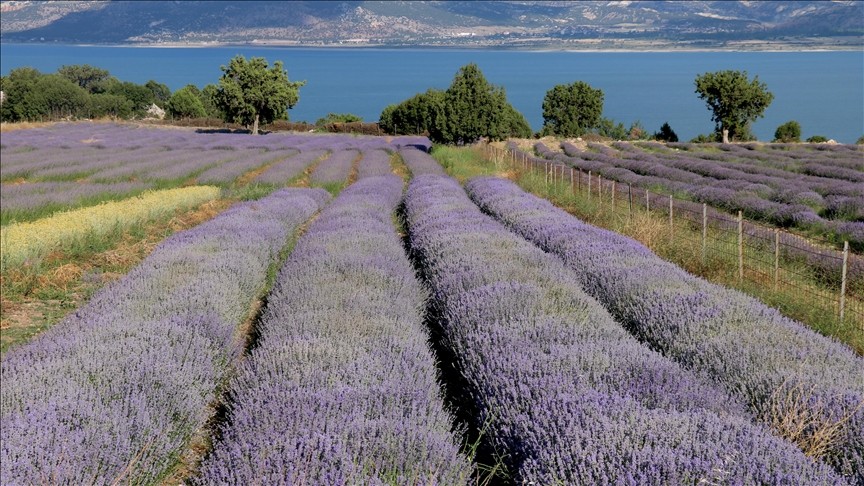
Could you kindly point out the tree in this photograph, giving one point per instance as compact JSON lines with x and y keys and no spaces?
{"x":250,"y":93}
{"x":114,"y":106}
{"x":208,"y":100}
{"x":93,"y":79}
{"x":16,"y":87}
{"x":161,"y":92}
{"x":572,"y":110}
{"x":788,"y":132}
{"x":338,"y":118}
{"x":473,"y":109}
{"x":140,"y":96}
{"x":733,"y":100}
{"x":420,"y":114}
{"x":185,"y":103}
{"x":666,"y":133}
{"x":53,"y":97}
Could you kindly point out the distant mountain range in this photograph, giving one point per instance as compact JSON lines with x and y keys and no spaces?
{"x":506,"y":24}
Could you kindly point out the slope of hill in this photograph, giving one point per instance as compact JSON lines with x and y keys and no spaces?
{"x":437,"y":23}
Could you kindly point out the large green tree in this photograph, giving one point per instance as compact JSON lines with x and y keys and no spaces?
{"x":734,"y":100}
{"x":571,"y":110}
{"x":93,"y":79}
{"x":250,"y":93}
{"x":474,"y":109}
{"x":185,"y":103}
{"x":416,"y":115}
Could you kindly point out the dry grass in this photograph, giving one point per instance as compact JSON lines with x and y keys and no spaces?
{"x":70,"y":280}
{"x":803,"y":418}
{"x":11,"y":127}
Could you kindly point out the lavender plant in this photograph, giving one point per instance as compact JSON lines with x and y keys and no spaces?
{"x":341,"y":387}
{"x":568,"y":395}
{"x":114,"y":392}
{"x":336,"y":168}
{"x":374,"y":163}
{"x":420,"y":163}
{"x":752,"y":350}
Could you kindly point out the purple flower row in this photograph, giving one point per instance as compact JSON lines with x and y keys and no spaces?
{"x":284,"y":171}
{"x":336,"y":168}
{"x":341,"y":388}
{"x":786,"y":199}
{"x":749,"y":348}
{"x":19,"y":198}
{"x":374,"y":163}
{"x":568,"y":395}
{"x":420,"y":163}
{"x":228,"y":172}
{"x":115,"y":391}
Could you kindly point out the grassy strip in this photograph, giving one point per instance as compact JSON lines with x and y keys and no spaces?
{"x":27,"y":242}
{"x":652,"y":230}
{"x":35,"y":297}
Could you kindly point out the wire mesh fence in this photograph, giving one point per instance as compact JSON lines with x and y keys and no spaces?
{"x":766,"y":258}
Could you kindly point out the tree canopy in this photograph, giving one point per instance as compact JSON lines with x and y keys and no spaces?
{"x":93,"y":79}
{"x":571,"y":110}
{"x":734,"y":100}
{"x":251,"y":93}
{"x":185,"y":103}
{"x":788,"y":132}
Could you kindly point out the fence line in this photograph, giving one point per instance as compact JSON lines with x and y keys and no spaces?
{"x":762,"y":255}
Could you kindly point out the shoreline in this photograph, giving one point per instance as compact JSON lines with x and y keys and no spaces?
{"x":754,"y":46}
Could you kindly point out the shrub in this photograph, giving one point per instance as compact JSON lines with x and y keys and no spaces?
{"x":817,"y":139}
{"x":788,"y":132}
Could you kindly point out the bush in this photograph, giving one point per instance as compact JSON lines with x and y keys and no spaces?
{"x":788,"y":132}
{"x":860,"y":140}
{"x":817,"y":139}
{"x":666,"y":134}
{"x":338,"y":118}
{"x":703,"y":138}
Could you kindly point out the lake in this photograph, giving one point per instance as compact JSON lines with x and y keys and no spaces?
{"x":823,"y":91}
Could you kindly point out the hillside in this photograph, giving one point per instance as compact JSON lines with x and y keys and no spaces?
{"x":537,"y":24}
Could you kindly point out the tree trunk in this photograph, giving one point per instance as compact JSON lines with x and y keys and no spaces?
{"x":255,"y":125}
{"x":725,"y":133}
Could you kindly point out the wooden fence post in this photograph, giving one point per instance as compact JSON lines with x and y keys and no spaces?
{"x":613,"y":195}
{"x":589,"y":185}
{"x":546,"y":173}
{"x":704,"y":232}
{"x":629,"y":202}
{"x":572,"y":187}
{"x":843,"y":280}
{"x":600,"y":190}
{"x":740,"y":247}
{"x":776,"y":257}
{"x":671,"y":224}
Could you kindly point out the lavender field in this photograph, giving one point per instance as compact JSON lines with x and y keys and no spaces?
{"x":340,"y":324}
{"x":818,"y":189}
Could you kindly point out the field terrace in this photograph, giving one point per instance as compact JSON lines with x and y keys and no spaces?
{"x":818,"y":189}
{"x":330,"y":322}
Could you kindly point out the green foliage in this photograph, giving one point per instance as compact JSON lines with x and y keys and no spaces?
{"x":417,"y":115}
{"x":706,"y":138}
{"x":93,"y":79}
{"x":733,"y":100}
{"x":788,"y":132}
{"x":860,"y":140}
{"x":52,"y":97}
{"x":16,"y":87}
{"x":666,"y":134}
{"x":140,"y":96}
{"x":338,"y":118}
{"x":474,"y":109}
{"x":161,"y":92}
{"x":109,"y":105}
{"x":571,"y":110}
{"x":606,"y":127}
{"x":250,"y":93}
{"x":817,"y":139}
{"x":208,"y":100}
{"x":637,"y":131}
{"x":185,"y":103}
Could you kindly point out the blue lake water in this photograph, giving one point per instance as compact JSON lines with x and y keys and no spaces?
{"x":823,"y":91}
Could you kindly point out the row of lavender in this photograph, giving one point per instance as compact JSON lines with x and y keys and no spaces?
{"x":115,"y":392}
{"x":567,"y":396}
{"x":74,"y":174}
{"x":785,"y":373}
{"x":341,"y":387}
{"x":782,"y":197}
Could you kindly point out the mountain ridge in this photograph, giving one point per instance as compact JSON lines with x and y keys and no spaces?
{"x":503,"y":24}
